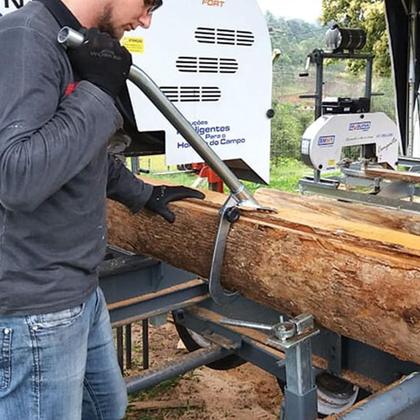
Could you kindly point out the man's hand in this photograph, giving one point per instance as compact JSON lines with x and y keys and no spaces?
{"x":102,"y":61}
{"x":162,"y":195}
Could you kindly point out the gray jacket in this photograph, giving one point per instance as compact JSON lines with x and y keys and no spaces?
{"x":55,"y":172}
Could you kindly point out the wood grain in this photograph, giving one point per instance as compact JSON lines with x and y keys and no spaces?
{"x":356,"y":269}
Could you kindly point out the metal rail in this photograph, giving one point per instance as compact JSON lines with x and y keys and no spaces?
{"x":401,"y":401}
{"x":176,"y":367}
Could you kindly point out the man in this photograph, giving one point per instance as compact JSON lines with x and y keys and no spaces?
{"x":58,"y":111}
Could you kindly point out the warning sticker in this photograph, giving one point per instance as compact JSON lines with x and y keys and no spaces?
{"x":134,"y":44}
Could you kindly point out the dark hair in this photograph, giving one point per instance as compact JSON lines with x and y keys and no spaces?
{"x":153,"y":4}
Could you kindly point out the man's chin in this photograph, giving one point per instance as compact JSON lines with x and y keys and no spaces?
{"x":116,"y":33}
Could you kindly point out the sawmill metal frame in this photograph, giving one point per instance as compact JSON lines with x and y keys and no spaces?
{"x":329,"y":187}
{"x":317,"y":57}
{"x":138,"y":288}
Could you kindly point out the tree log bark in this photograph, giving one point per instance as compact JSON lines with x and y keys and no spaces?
{"x":355,"y":268}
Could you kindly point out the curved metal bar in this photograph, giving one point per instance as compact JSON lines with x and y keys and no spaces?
{"x":71,"y":38}
{"x":217,"y":292}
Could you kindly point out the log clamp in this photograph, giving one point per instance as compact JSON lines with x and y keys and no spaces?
{"x":229,"y":214}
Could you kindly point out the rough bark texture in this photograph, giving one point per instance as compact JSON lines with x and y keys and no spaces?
{"x":356,"y":269}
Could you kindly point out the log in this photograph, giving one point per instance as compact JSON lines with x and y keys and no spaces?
{"x":405,"y":176}
{"x":356,"y":269}
{"x":405,"y":221}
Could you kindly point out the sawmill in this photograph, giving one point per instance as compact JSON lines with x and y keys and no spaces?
{"x":320,"y":289}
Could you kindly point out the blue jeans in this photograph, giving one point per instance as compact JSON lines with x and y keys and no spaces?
{"x":61,"y":365}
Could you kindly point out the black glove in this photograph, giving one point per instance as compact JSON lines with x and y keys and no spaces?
{"x":102,"y":61}
{"x":162,"y":195}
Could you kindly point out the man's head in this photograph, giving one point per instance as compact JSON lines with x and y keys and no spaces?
{"x":126,"y":15}
{"x":114,"y":17}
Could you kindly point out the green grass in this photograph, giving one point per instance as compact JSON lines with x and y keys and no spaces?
{"x":181,"y":179}
{"x":284,"y":175}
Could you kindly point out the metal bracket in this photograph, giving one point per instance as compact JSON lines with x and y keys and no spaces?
{"x":293,"y":332}
{"x":300,"y":394}
{"x":294,"y":338}
{"x":284,"y":334}
{"x":229,"y":214}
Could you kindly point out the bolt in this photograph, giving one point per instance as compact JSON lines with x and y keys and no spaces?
{"x":179,"y":315}
{"x":285,"y":331}
{"x":270,"y":113}
{"x":232,"y":214}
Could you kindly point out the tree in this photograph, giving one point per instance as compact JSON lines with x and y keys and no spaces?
{"x":287,"y":127}
{"x":368,"y":15}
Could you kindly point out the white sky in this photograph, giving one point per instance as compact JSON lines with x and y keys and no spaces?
{"x":308,"y":10}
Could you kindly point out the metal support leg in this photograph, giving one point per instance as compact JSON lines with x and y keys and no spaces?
{"x":145,"y":340}
{"x":334,"y":356}
{"x":128,"y":358}
{"x":293,"y":337}
{"x":300,"y":393}
{"x":120,"y":348}
{"x":135,"y":165}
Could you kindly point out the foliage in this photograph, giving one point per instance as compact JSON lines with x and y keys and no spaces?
{"x":385,"y":102}
{"x":368,"y":15}
{"x":288,"y":125}
{"x":294,"y":38}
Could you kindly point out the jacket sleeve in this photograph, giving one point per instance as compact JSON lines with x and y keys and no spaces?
{"x":46,"y":138}
{"x":126,"y":188}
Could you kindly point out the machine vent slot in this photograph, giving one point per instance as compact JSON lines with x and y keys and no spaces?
{"x":171,"y":92}
{"x":210,"y":94}
{"x":245,"y":38}
{"x":206,"y":35}
{"x":228,"y":65}
{"x":189,"y":94}
{"x":224,"y":36}
{"x":207,"y":65}
{"x":192,"y":93}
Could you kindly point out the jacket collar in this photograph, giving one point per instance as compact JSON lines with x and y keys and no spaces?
{"x":61,"y":13}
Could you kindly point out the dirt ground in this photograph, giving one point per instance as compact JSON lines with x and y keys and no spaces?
{"x":245,"y":392}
